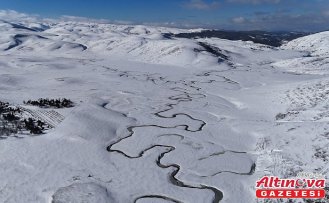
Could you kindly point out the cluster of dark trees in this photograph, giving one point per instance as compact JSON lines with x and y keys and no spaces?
{"x":56,"y":103}
{"x":3,"y":106}
{"x":7,"y":112}
{"x":10,"y":117}
{"x":213,"y":50}
{"x":274,"y":39}
{"x":12,"y":122}
{"x":34,"y":126}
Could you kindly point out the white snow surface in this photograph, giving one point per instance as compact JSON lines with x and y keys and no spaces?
{"x":316,"y":55}
{"x":158,"y":119}
{"x":317,"y":44}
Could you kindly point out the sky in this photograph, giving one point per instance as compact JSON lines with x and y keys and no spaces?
{"x":271,"y":15}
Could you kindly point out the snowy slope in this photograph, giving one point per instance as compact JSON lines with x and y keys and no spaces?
{"x":157,"y":119}
{"x":316,"y":55}
{"x":317,"y":44}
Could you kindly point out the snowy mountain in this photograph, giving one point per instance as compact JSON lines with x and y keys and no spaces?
{"x":315,"y":60}
{"x":317,"y":44}
{"x":149,"y":117}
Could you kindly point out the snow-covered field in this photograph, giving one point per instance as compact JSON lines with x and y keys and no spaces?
{"x":158,"y":119}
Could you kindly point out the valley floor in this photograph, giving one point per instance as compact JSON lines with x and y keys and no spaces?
{"x":150,"y":131}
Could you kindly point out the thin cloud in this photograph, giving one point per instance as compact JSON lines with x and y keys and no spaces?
{"x":254,"y":1}
{"x":283,"y":21}
{"x":83,"y":19}
{"x":201,"y":5}
{"x":238,"y":20}
{"x":326,"y":13}
{"x":11,"y":15}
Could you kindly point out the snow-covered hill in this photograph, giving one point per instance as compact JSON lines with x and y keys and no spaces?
{"x":317,"y":44}
{"x":155,"y":118}
{"x":316,"y":55}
